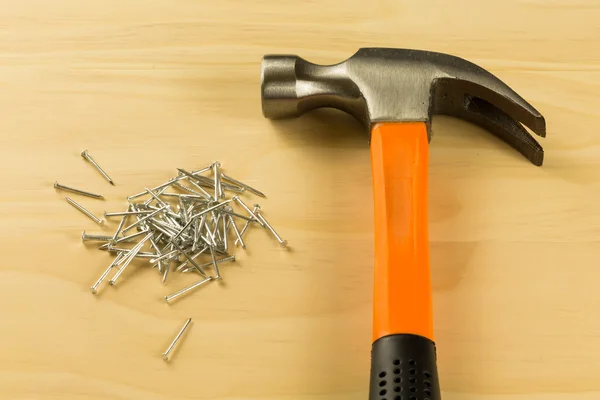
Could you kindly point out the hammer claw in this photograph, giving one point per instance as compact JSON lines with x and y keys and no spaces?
{"x":506,"y":128}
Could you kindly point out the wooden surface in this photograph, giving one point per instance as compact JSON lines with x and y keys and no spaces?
{"x":149,"y":86}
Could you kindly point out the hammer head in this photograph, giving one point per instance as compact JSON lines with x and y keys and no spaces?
{"x":392,"y":85}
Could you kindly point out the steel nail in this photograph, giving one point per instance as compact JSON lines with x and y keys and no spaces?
{"x":215,"y":265}
{"x":166,"y":273}
{"x":128,"y":259}
{"x":256,"y":208}
{"x":208,"y":264}
{"x":217,"y":177}
{"x":94,"y":287}
{"x":139,"y":221}
{"x":89,"y":158}
{"x":245,"y":207}
{"x":237,"y":233}
{"x":282,"y":242}
{"x":166,"y":355}
{"x":172,"y":253}
{"x":123,"y":220}
{"x":86,"y":237}
{"x":190,"y":259}
{"x":132,"y":236}
{"x":243,"y":185}
{"x":181,"y":292}
{"x":125,"y":213}
{"x":83,"y":210}
{"x":164,"y":185}
{"x":78,"y":191}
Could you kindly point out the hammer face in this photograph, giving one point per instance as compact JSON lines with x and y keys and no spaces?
{"x":392,"y":85}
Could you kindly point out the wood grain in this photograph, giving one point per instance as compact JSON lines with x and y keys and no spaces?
{"x":149,"y":86}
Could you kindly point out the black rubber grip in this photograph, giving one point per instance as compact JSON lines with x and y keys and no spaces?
{"x":404,"y":367}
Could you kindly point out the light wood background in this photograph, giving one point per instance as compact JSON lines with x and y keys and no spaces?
{"x":151,"y":85}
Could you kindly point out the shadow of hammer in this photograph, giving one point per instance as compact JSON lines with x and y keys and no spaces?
{"x":394,"y":93}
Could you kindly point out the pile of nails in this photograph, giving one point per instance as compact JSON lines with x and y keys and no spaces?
{"x":181,"y":225}
{"x":179,"y":221}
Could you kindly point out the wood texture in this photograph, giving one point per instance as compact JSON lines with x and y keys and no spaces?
{"x":149,"y":86}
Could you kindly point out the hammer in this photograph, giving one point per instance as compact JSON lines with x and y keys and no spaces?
{"x":394,"y":93}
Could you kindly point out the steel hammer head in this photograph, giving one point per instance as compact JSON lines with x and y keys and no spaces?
{"x":390,"y":85}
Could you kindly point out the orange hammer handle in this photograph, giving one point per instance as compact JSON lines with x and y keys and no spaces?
{"x":402,"y":293}
{"x":403,"y":354}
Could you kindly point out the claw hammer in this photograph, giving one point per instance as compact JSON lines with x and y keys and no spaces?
{"x":394,"y":93}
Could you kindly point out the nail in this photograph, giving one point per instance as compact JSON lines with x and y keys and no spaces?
{"x":125,"y":213}
{"x":194,"y":256}
{"x":87,"y":156}
{"x":192,"y":179}
{"x":139,"y":254}
{"x":201,"y":193}
{"x":118,"y":231}
{"x":155,"y":246}
{"x":215,"y":265}
{"x":234,"y":214}
{"x":217,"y":177}
{"x":245,"y":207}
{"x":209,"y":264}
{"x":94,"y":287}
{"x":166,"y":273}
{"x":128,"y":238}
{"x":225,"y":233}
{"x":237,"y":232}
{"x":231,"y":188}
{"x":211,"y":236}
{"x":282,"y":242}
{"x":207,"y":182}
{"x":86,"y":237}
{"x":139,"y":221}
{"x":216,"y":219}
{"x":128,"y":259}
{"x":163,"y":228}
{"x":164,"y":185}
{"x":81,"y":192}
{"x":202,"y":170}
{"x":241,"y":184}
{"x":153,"y":196}
{"x":86,"y":212}
{"x":166,"y":355}
{"x":187,"y":289}
{"x":158,"y":199}
{"x":164,"y":256}
{"x":197,"y":225}
{"x":190,"y":260}
{"x":186,"y":196}
{"x":256,"y":208}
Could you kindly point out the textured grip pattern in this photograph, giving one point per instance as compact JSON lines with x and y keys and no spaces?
{"x":403,"y":367}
